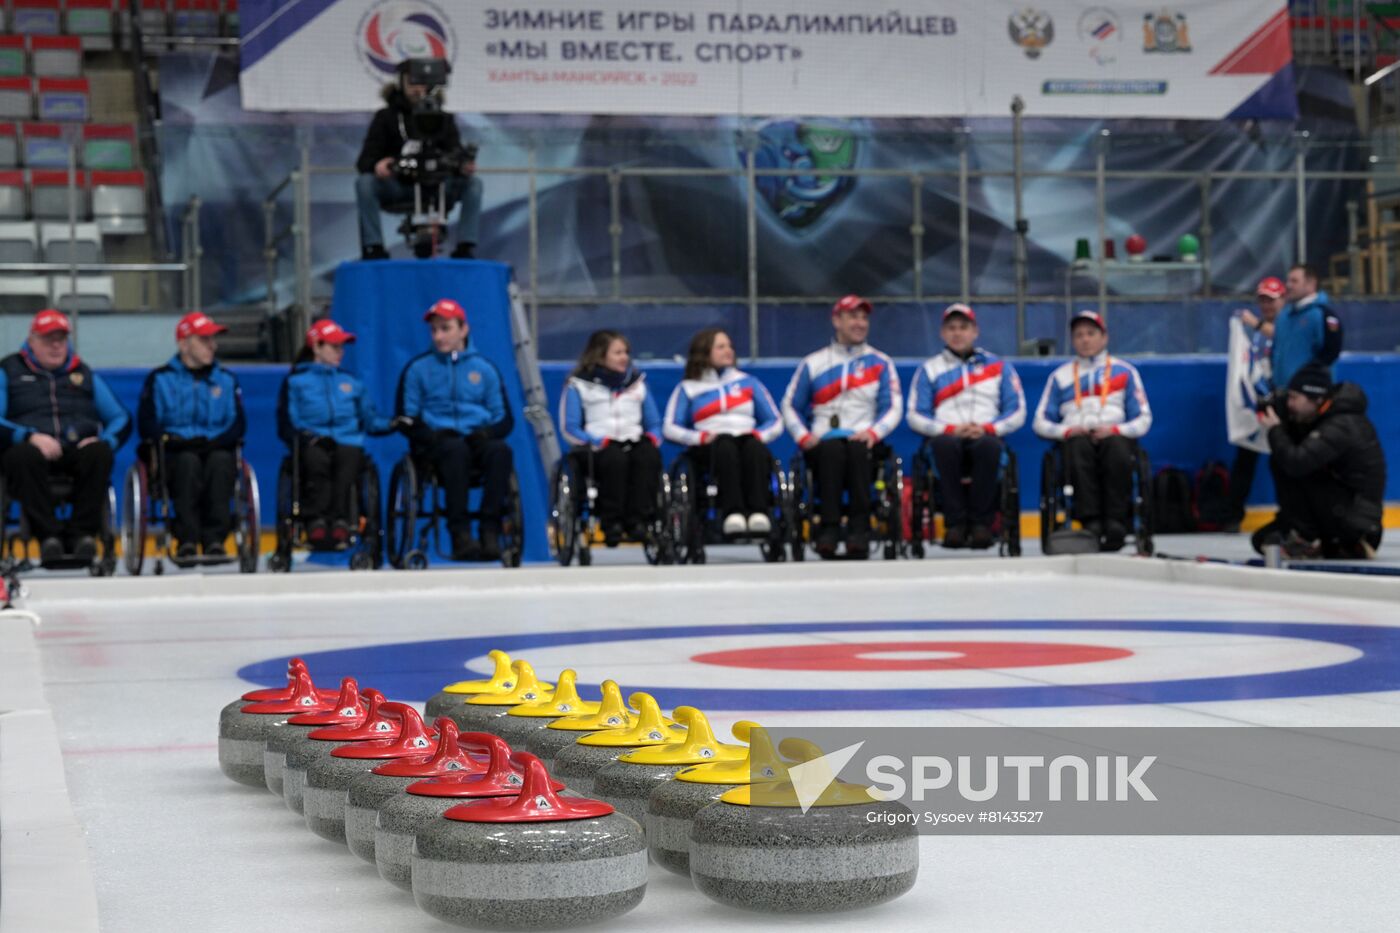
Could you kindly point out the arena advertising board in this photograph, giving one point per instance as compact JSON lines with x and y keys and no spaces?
{"x":1196,"y":59}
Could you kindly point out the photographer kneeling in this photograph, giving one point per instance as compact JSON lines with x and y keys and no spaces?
{"x":1329,"y":470}
{"x":414,"y":125}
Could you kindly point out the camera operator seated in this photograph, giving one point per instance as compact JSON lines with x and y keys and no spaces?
{"x":1329,"y":470}
{"x":412,"y":124}
{"x":58,"y":417}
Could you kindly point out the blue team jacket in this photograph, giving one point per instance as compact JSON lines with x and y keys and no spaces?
{"x":182,"y":403}
{"x":1304,"y":334}
{"x":460,"y":392}
{"x":322,"y":401}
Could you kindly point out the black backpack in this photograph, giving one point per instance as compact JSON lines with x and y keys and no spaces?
{"x":1211,"y":499}
{"x":1171,"y":502}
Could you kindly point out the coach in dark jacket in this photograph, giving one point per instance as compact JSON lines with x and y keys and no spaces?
{"x":58,"y":416}
{"x":1329,"y":470}
{"x":377,"y":185}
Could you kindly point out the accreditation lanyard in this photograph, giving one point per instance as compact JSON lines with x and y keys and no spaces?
{"x":1103,"y":388}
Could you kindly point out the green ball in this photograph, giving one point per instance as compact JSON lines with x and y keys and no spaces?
{"x":1188,"y":245}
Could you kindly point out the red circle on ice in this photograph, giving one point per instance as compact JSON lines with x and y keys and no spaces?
{"x":912,"y":656}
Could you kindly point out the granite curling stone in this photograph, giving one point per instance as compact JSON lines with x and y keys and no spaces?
{"x":371,"y":789}
{"x":328,"y":778}
{"x":479,"y":713}
{"x":578,"y":764}
{"x":627,"y":783}
{"x":411,"y":810}
{"x":295,"y":666}
{"x":451,"y":696}
{"x":349,"y":708}
{"x":561,"y":733}
{"x":535,"y":861}
{"x":318,"y":743}
{"x":672,"y":806}
{"x":243,"y":730}
{"x":524,"y":720}
{"x":757,"y":850}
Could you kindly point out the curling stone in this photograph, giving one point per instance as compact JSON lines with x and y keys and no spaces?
{"x":579,"y":763}
{"x":757,"y":849}
{"x":530,"y":862}
{"x":520,"y":722}
{"x":243,"y":730}
{"x":328,"y":778}
{"x":416,"y":807}
{"x":479,"y":713}
{"x":450,"y":697}
{"x":301,"y":752}
{"x":367,"y":791}
{"x":561,"y":733}
{"x":627,"y":783}
{"x":295,"y":666}
{"x":672,"y":806}
{"x":348,"y":709}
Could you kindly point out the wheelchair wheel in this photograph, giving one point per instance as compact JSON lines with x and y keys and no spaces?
{"x":401,"y":522}
{"x":280,"y":561}
{"x":1142,"y":503}
{"x":415,"y":560}
{"x":134,"y":517}
{"x":659,"y":548}
{"x":799,"y":509}
{"x":248,"y":533}
{"x":1010,"y":507}
{"x":106,"y":563}
{"x":1049,"y":499}
{"x":513,"y":527}
{"x":682,"y":522}
{"x":774,"y":547}
{"x":921,"y":512}
{"x":892,"y":499}
{"x":563,"y":528}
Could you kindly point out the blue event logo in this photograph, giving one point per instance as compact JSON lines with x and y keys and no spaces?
{"x":394,"y":30}
{"x":801,"y":198}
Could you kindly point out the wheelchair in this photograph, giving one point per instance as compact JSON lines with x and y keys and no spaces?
{"x":363,"y":511}
{"x":692,"y":518}
{"x":1057,"y":532}
{"x":886,"y":504}
{"x":926,"y":502}
{"x":147,"y":510}
{"x":417,"y":509}
{"x":16,"y":536}
{"x":573,"y":527}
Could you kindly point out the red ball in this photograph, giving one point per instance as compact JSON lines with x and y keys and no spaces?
{"x":1136,"y":244}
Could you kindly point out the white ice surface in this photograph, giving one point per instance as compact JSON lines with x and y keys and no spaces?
{"x":136,"y":682}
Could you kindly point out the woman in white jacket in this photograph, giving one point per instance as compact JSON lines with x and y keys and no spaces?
{"x":727,"y":418}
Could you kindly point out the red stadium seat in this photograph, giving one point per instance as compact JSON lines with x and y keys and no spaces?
{"x":196,"y":18}
{"x":91,"y":21}
{"x":16,"y":98}
{"x":65,"y":99}
{"x":14,"y":60}
{"x":119,"y":202}
{"x":45,"y":146}
{"x":56,"y":56}
{"x":12,"y":201}
{"x":49,"y":194}
{"x":9,"y":145}
{"x":110,"y":146}
{"x":34,"y":17}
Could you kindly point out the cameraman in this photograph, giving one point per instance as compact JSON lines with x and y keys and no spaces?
{"x":1329,"y":470}
{"x":379,"y":187}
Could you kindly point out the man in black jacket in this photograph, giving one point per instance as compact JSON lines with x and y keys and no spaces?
{"x":377,"y":185}
{"x":1329,"y":470}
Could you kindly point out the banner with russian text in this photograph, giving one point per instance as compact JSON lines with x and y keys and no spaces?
{"x":1199,"y":59}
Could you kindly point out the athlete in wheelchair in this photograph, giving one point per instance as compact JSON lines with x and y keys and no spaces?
{"x":190,"y":485}
{"x":840,"y":405}
{"x":964,"y":401}
{"x":612,"y":473}
{"x":1094,"y":408}
{"x":453,"y":403}
{"x":328,"y":487}
{"x":726,"y":486}
{"x":63,"y":425}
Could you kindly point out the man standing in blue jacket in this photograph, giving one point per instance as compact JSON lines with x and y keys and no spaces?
{"x":58,"y":416}
{"x":1307,"y":330}
{"x":456,"y":401}
{"x":196,"y":406}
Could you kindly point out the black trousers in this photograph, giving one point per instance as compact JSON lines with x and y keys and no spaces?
{"x":1242,"y":479}
{"x":740,"y":465}
{"x":455,"y":456}
{"x":29,"y":475}
{"x":201,"y":485}
{"x":959,"y":457}
{"x":1102,"y":475}
{"x":626,"y":474}
{"x":842,"y":465}
{"x":329,"y":472}
{"x":1319,"y":507}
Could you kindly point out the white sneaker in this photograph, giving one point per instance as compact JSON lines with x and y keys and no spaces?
{"x":759,"y":524}
{"x":735,"y":524}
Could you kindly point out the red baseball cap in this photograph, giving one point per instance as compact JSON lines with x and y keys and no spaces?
{"x":1271,"y":287}
{"x":197,"y":323}
{"x":48,"y":320}
{"x":328,"y":331}
{"x":446,"y":308}
{"x":960,"y":308}
{"x":1093,"y":317}
{"x":852,"y":303}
